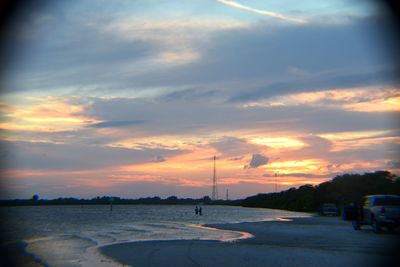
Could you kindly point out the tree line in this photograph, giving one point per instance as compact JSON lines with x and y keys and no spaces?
{"x":104,"y":200}
{"x":341,"y":190}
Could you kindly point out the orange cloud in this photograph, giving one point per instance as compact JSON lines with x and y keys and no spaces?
{"x":351,"y":140}
{"x":49,"y":114}
{"x":369,"y":99}
{"x":278,"y":142}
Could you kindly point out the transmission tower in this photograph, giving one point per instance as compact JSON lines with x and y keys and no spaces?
{"x":214,"y":188}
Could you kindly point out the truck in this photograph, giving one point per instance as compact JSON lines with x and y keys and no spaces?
{"x":378,"y":211}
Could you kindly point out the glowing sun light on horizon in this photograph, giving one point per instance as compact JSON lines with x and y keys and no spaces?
{"x":277,"y":142}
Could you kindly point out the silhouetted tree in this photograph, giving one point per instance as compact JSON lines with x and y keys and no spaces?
{"x":341,"y":190}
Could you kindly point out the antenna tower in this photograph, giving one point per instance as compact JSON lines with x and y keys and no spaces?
{"x":214,"y":188}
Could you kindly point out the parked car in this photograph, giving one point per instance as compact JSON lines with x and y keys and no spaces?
{"x":329,"y":209}
{"x":378,"y":211}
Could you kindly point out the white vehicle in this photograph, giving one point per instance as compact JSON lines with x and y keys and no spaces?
{"x":378,"y":211}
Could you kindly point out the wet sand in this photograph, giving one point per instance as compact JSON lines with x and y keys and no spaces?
{"x":315,"y":241}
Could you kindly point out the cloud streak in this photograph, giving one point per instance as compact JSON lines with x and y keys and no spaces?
{"x":263,"y":12}
{"x":117,"y":124}
{"x":302,"y":175}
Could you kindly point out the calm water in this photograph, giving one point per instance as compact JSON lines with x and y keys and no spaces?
{"x":68,"y":235}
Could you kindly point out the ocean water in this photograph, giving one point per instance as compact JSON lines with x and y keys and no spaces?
{"x":70,"y":235}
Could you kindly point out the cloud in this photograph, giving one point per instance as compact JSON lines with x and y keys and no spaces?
{"x":263,"y":12}
{"x":116,"y":124}
{"x":126,"y":60}
{"x":78,"y":156}
{"x":159,"y":159}
{"x":319,"y":83}
{"x":257,"y":160}
{"x":365,"y":99}
{"x":317,"y":143}
{"x":333,"y":56}
{"x":302,"y":175}
{"x":236,"y":158}
{"x":395,"y":164}
{"x":189,"y":87}
{"x":161,"y":29}
{"x":191,"y":94}
{"x":177,"y":117}
{"x":234,"y":147}
{"x":175,"y":41}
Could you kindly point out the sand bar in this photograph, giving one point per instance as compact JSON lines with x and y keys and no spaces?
{"x":315,"y":241}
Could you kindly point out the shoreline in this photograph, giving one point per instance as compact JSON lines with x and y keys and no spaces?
{"x":61,"y":248}
{"x":310,"y":241}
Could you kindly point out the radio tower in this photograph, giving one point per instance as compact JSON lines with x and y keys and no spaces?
{"x":215,"y":188}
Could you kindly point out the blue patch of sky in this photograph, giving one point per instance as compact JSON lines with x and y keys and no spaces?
{"x":312,"y":8}
{"x":66,"y":22}
{"x":159,"y":9}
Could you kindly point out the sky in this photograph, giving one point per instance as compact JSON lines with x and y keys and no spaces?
{"x":134,"y":98}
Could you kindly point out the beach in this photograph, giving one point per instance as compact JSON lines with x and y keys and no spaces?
{"x":66,"y":236}
{"x":313,"y":241}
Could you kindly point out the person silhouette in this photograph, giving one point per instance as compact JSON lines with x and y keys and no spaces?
{"x":196,"y":210}
{"x":200,"y":211}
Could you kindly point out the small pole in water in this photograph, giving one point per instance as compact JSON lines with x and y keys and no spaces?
{"x":111,"y":204}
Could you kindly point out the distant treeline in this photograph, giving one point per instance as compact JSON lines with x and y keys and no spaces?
{"x":106,"y":200}
{"x":341,"y":190}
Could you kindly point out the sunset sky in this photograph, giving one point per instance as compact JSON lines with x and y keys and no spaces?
{"x":134,"y":98}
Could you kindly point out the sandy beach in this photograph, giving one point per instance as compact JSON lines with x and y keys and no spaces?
{"x":315,"y":241}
